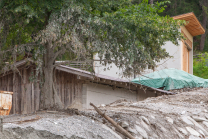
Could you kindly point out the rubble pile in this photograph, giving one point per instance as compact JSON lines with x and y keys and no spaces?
{"x":180,"y":116}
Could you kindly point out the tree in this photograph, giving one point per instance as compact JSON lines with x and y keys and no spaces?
{"x":151,"y":1}
{"x":129,"y":35}
{"x":199,"y":7}
{"x":204,"y":5}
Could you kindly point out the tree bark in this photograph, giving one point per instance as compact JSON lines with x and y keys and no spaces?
{"x":151,"y":1}
{"x":49,"y":96}
{"x":204,"y":24}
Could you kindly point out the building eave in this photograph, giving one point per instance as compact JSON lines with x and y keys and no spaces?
{"x":192,"y":23}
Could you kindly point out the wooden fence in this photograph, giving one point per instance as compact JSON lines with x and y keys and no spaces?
{"x":26,"y":94}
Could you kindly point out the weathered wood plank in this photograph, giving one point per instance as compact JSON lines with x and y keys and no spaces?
{"x":23,"y":96}
{"x":33,"y":97}
{"x":70,"y":90}
{"x":37,"y":96}
{"x":14,"y":93}
{"x":67,"y":91}
{"x":62,"y":87}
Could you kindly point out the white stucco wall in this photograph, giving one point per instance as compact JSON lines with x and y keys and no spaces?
{"x":109,"y":69}
{"x":175,"y":62}
{"x":104,"y":94}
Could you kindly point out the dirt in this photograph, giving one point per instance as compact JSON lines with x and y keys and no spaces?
{"x":180,"y":116}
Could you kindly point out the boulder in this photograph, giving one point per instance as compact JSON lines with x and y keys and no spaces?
{"x":183,"y":131}
{"x":138,"y":137}
{"x":169,"y":120}
{"x":186,"y":120}
{"x":145,"y":119}
{"x":141,"y":132}
{"x":205,"y":123}
{"x":198,"y":125}
{"x":131,"y":130}
{"x":194,"y":137}
{"x":199,"y":119}
{"x":201,"y":132}
{"x":192,"y":131}
{"x":124,"y":124}
{"x":145,"y":125}
{"x":111,"y":131}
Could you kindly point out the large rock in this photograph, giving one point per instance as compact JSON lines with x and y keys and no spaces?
{"x":183,"y":131}
{"x":111,"y":131}
{"x":194,"y":137}
{"x":145,"y":119}
{"x":131,"y":130}
{"x":186,"y":120}
{"x":141,"y":132}
{"x":201,"y":132}
{"x":138,"y":137}
{"x":192,"y":131}
{"x":124,"y":124}
{"x":199,"y":119}
{"x":145,"y":125}
{"x":198,"y":125}
{"x":169,"y":120}
{"x":178,"y":133}
{"x":205,"y":123}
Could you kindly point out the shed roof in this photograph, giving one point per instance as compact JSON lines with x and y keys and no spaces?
{"x":193,"y":25}
{"x":95,"y":77}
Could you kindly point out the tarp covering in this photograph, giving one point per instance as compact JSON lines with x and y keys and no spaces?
{"x":171,"y":79}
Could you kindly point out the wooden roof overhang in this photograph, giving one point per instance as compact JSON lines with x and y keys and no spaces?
{"x":96,"y":78}
{"x":193,"y":25}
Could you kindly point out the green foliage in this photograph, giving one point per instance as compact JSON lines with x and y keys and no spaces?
{"x":177,"y":7}
{"x":200,"y":65}
{"x":130,"y":34}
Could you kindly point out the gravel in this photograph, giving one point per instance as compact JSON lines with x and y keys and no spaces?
{"x":77,"y":127}
{"x":166,"y":117}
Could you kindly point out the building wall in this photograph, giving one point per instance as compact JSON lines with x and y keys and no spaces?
{"x":103,"y":94}
{"x":174,"y":62}
{"x":143,"y":94}
{"x":109,"y":69}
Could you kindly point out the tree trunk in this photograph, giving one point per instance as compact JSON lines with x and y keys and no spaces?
{"x":49,"y":96}
{"x":151,"y":1}
{"x":204,"y":24}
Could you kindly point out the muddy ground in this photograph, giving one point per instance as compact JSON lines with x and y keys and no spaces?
{"x":181,"y":116}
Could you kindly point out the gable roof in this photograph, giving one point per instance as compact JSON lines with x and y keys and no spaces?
{"x":193,"y":25}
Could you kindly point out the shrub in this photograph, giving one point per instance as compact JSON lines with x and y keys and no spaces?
{"x":200,"y":65}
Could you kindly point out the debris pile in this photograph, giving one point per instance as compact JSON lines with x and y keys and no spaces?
{"x":179,"y":116}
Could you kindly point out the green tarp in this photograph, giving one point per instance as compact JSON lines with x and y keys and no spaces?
{"x":171,"y":79}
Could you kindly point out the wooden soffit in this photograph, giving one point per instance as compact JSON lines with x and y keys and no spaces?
{"x":192,"y":25}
